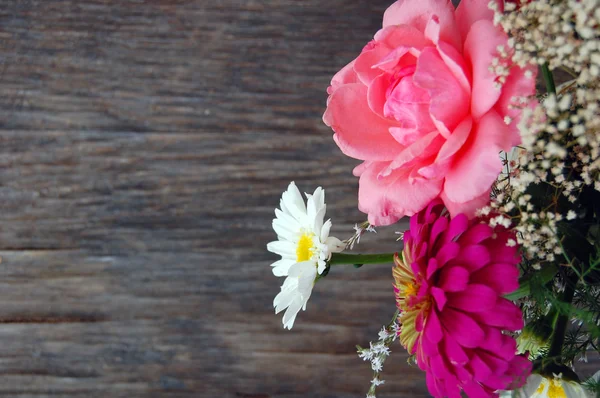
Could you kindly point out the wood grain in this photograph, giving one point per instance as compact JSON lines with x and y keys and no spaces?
{"x":143,"y":148}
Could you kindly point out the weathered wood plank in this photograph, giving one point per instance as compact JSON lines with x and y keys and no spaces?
{"x":163,"y":65}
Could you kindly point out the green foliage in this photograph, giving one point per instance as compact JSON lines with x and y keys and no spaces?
{"x":593,"y":386}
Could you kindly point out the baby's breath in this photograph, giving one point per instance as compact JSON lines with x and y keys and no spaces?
{"x":378,"y":352}
{"x":560,"y":151}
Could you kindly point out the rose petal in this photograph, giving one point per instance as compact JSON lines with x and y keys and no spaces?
{"x":360,"y":133}
{"x":402,"y":35}
{"x":456,"y":64}
{"x":470,"y":11}
{"x":387,"y":199}
{"x":481,"y":48}
{"x":433,"y":75}
{"x":418,"y":13}
{"x":477,"y":164}
{"x":418,"y":152}
{"x":517,"y":85}
{"x":363,"y":65}
{"x":470,"y":207}
{"x":346,"y":75}
{"x":376,"y":94}
{"x":455,"y":142}
{"x":445,"y":155}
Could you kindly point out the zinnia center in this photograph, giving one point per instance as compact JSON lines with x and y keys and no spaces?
{"x":305,"y":248}
{"x":411,"y":306}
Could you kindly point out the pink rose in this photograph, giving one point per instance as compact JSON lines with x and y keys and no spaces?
{"x":427,"y":105}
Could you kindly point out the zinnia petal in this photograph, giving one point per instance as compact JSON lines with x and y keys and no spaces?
{"x":449,"y":293}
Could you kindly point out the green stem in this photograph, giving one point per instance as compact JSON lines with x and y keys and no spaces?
{"x":345,"y":258}
{"x":548,"y":79}
{"x":560,"y":327}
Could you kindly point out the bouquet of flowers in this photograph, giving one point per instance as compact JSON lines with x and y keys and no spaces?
{"x":497,"y":283}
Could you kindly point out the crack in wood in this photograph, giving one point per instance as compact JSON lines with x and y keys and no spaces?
{"x":53,"y":319}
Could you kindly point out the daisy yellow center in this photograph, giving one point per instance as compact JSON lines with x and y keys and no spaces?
{"x":305,"y":248}
{"x":555,"y":390}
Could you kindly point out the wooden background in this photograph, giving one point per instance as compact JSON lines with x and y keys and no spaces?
{"x":143,"y":147}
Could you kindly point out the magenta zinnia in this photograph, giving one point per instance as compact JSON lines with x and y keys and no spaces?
{"x":449,"y":282}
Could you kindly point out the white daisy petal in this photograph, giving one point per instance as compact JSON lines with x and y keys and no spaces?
{"x":307,"y":279}
{"x":296,"y":269}
{"x":286,"y":218}
{"x":575,"y":390}
{"x":288,"y":292}
{"x":325,"y":230}
{"x":291,"y":312}
{"x":321,"y":265}
{"x":318,"y":221}
{"x":281,"y":267}
{"x":311,"y":208}
{"x":284,"y":208}
{"x":294,"y":203}
{"x":319,"y":196}
{"x":532,"y":384}
{"x":334,"y":244}
{"x":284,"y":231}
{"x":316,"y":202}
{"x":284,"y":248}
{"x":283,"y":300}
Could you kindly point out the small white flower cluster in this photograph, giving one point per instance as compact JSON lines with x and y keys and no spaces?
{"x":562,"y":33}
{"x":500,"y":68}
{"x":360,"y":230}
{"x":560,"y":135}
{"x":378,"y":352}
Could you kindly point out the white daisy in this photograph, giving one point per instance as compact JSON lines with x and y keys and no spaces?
{"x":305,"y":247}
{"x":538,"y":386}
